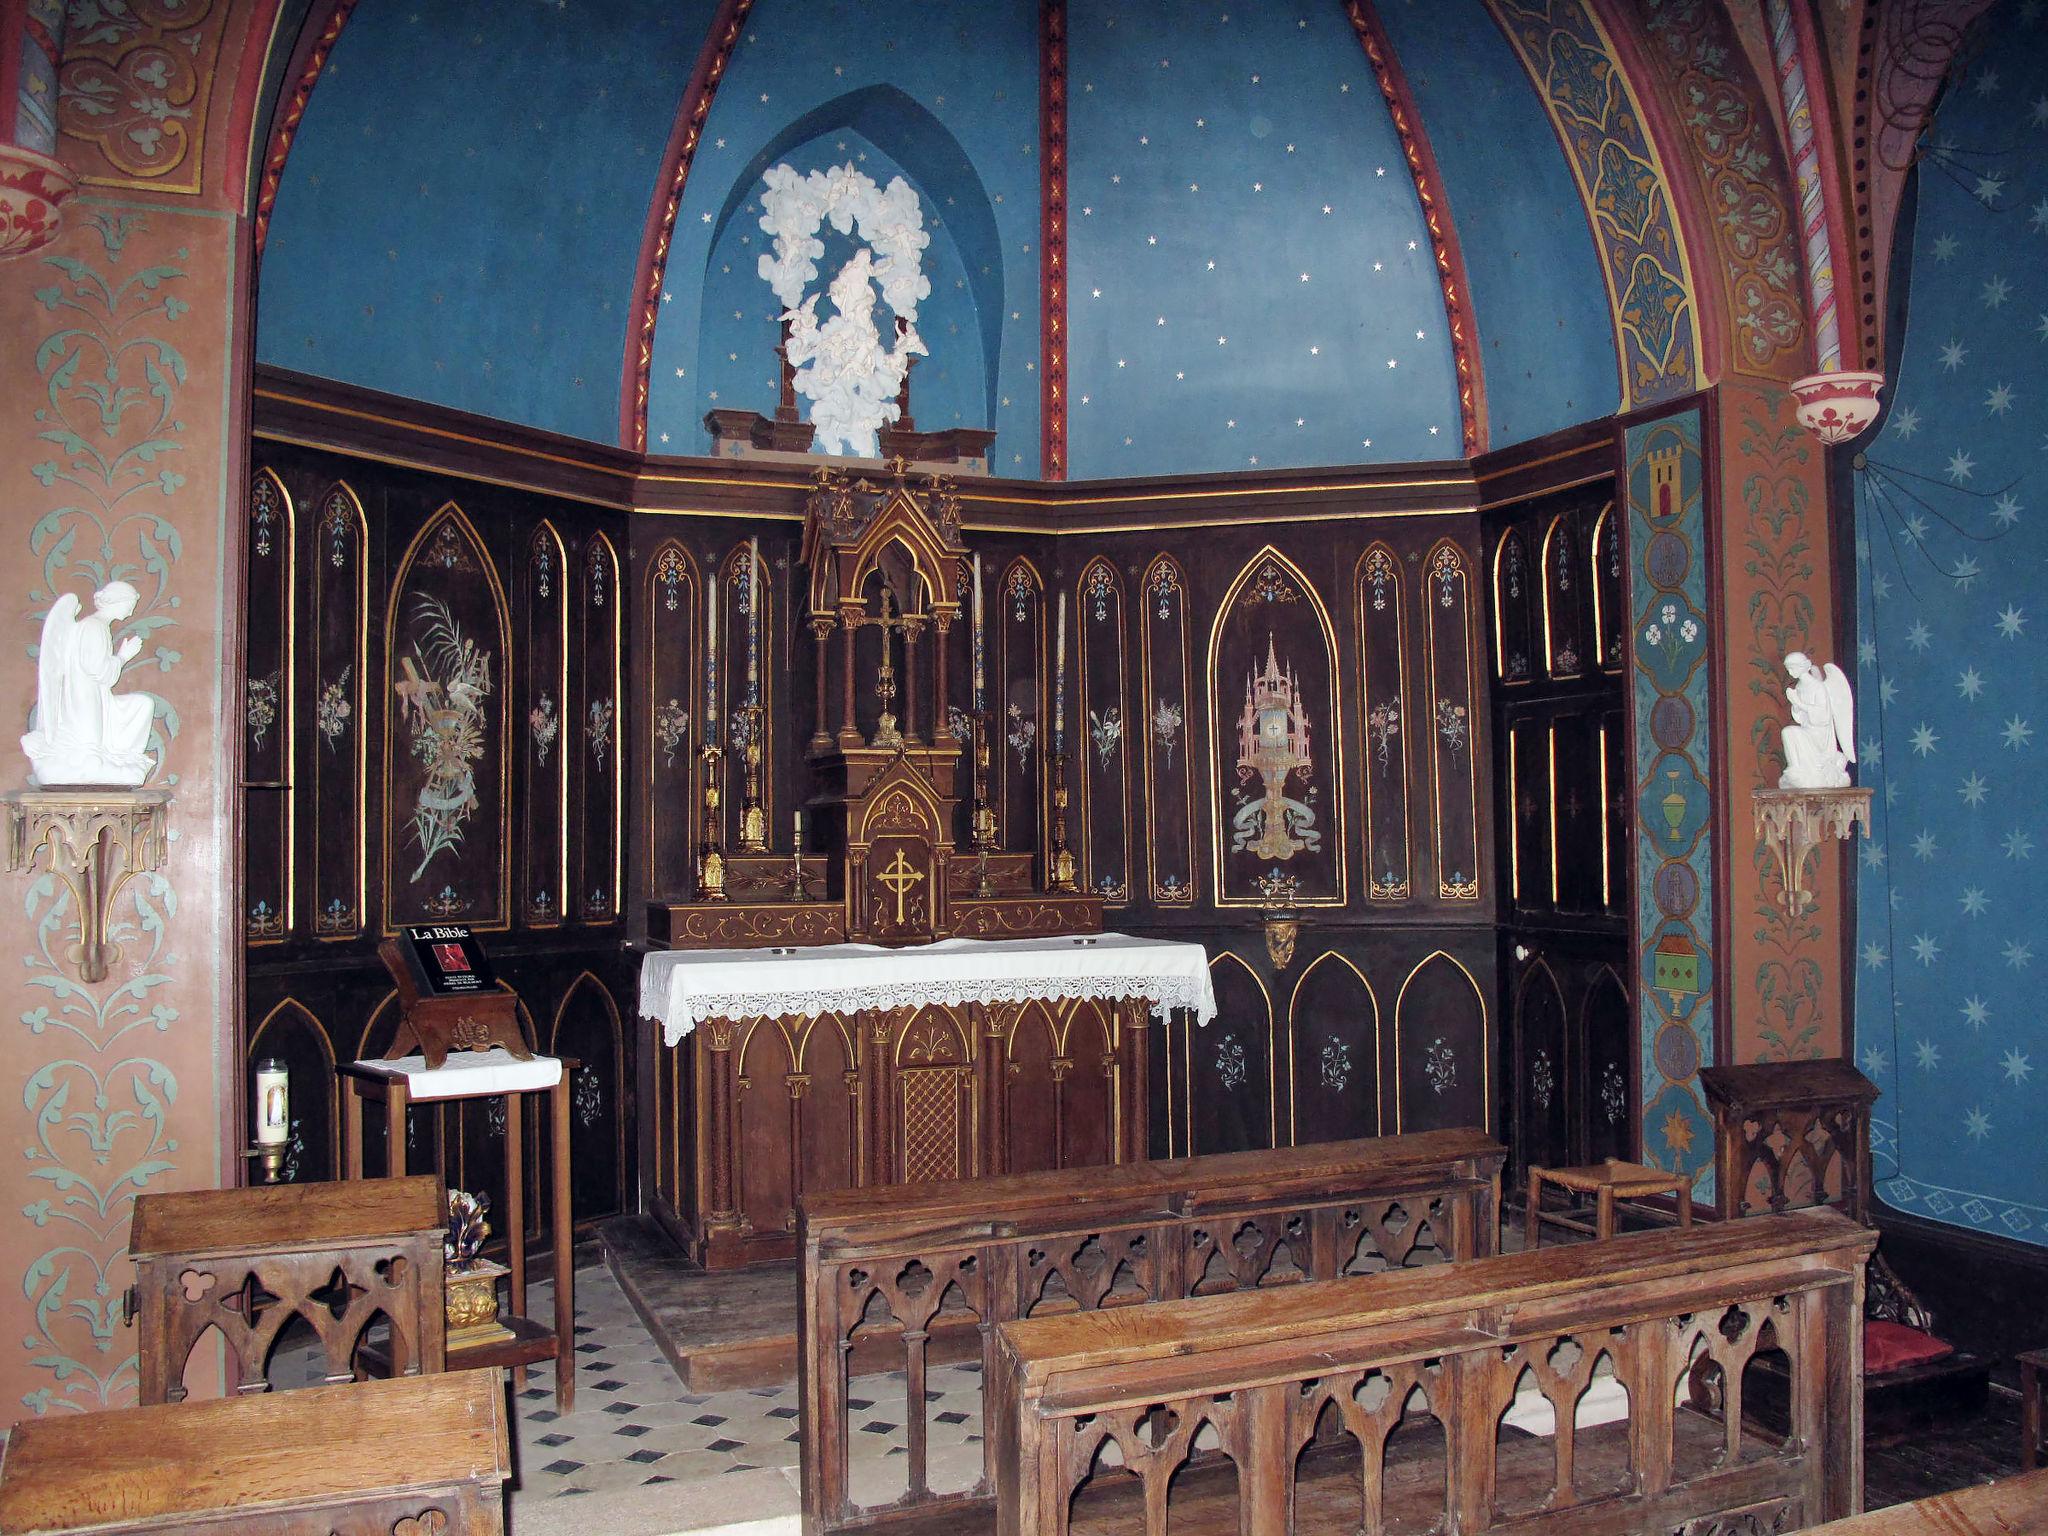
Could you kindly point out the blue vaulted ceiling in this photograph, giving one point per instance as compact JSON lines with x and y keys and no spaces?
{"x":1251,"y":282}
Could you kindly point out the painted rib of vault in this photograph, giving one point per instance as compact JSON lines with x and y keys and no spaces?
{"x":1676,"y":962}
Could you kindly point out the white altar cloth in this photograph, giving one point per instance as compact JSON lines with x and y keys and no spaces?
{"x":679,"y":987}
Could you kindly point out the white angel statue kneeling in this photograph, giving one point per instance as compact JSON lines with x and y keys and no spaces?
{"x":1820,"y":743}
{"x":85,"y":733}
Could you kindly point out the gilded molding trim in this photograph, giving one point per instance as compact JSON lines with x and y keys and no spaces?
{"x":1436,"y":216}
{"x":1379,"y":1109}
{"x":1600,"y":121}
{"x":683,"y":140}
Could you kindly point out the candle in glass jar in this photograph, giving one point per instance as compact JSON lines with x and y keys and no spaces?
{"x":273,"y":1117}
{"x":1059,"y":691}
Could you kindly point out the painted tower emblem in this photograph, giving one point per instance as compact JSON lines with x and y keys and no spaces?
{"x":1273,"y":746}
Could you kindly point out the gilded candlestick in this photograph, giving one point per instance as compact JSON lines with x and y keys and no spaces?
{"x":753,"y":819}
{"x":982,"y":823}
{"x":711,"y":850}
{"x":1061,"y":872}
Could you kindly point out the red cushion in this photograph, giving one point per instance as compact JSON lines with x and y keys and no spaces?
{"x":1894,"y":1346}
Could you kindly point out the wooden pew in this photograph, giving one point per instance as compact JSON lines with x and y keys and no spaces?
{"x":2004,"y":1508}
{"x":943,"y":1263}
{"x":411,"y":1456}
{"x":1311,"y":1396}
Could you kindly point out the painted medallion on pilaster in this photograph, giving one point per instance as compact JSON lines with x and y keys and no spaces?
{"x":446,"y":732}
{"x":1451,"y":720}
{"x":1020,"y":728}
{"x":1166,"y":698}
{"x":1274,"y":750}
{"x":675,"y":687}
{"x":1102,"y":719}
{"x":1383,"y":704}
{"x":1673,"y":789}
{"x":267,"y":699}
{"x":339,"y":583}
{"x":598,"y":802}
{"x":544,"y":879}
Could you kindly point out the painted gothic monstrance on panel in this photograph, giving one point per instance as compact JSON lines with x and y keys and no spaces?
{"x":1274,"y":756}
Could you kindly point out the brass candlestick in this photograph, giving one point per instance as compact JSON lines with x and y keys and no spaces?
{"x":711,"y":850}
{"x":983,"y":889}
{"x":270,"y":1157}
{"x":1062,"y":860}
{"x":753,"y":820}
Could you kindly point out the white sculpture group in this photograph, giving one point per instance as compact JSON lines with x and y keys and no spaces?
{"x":1820,"y":743}
{"x":840,"y":364}
{"x":83,"y":732}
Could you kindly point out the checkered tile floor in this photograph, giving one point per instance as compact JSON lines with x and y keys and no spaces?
{"x":635,"y":1427}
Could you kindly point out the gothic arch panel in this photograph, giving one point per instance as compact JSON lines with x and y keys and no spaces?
{"x":269,"y":699}
{"x":293,"y":1034}
{"x":587,"y":1026}
{"x":340,"y":643}
{"x":1333,"y":1020}
{"x":1564,"y":582}
{"x":1513,"y":605}
{"x":1031,"y":1140}
{"x":599,"y":753}
{"x":746,"y":682}
{"x":1442,"y":1059}
{"x":1166,"y":706}
{"x":1087,"y":1098}
{"x":764,"y":1171}
{"x":1020,"y":683}
{"x":931,"y":1078}
{"x":675,"y":699}
{"x":1610,"y":602}
{"x":545,"y":855}
{"x":1452,"y":721}
{"x":447,"y":639}
{"x":1607,"y":1025}
{"x":1105,"y":830}
{"x":1275,"y":750}
{"x":1383,"y":706}
{"x":1230,"y":1088}
{"x":827,"y":1109}
{"x":1540,"y":1065}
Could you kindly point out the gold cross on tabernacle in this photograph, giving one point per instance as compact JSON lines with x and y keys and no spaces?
{"x":900,"y":876}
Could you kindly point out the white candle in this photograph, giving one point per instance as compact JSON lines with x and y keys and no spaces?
{"x":799,"y":831}
{"x":711,"y":663}
{"x":273,"y":1117}
{"x":753,"y":621}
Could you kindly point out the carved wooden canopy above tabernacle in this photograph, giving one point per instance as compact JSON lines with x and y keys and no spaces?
{"x":848,"y":523}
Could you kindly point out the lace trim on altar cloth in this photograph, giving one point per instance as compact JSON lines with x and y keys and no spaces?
{"x":1165,"y":993}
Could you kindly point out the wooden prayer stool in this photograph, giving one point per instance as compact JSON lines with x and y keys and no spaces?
{"x":1606,"y":1183}
{"x":488,"y":1074}
{"x":2033,"y":1362}
{"x":247,"y":1261}
{"x":412,"y":1456}
{"x":1794,"y":1134}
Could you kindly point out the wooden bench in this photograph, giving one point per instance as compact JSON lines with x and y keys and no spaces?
{"x":902,"y":1277}
{"x":248,"y":1261}
{"x":1378,"y":1403}
{"x":412,"y":1456}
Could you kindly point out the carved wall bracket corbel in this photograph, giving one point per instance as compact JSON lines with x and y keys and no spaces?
{"x":96,"y":839}
{"x":1794,"y":821}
